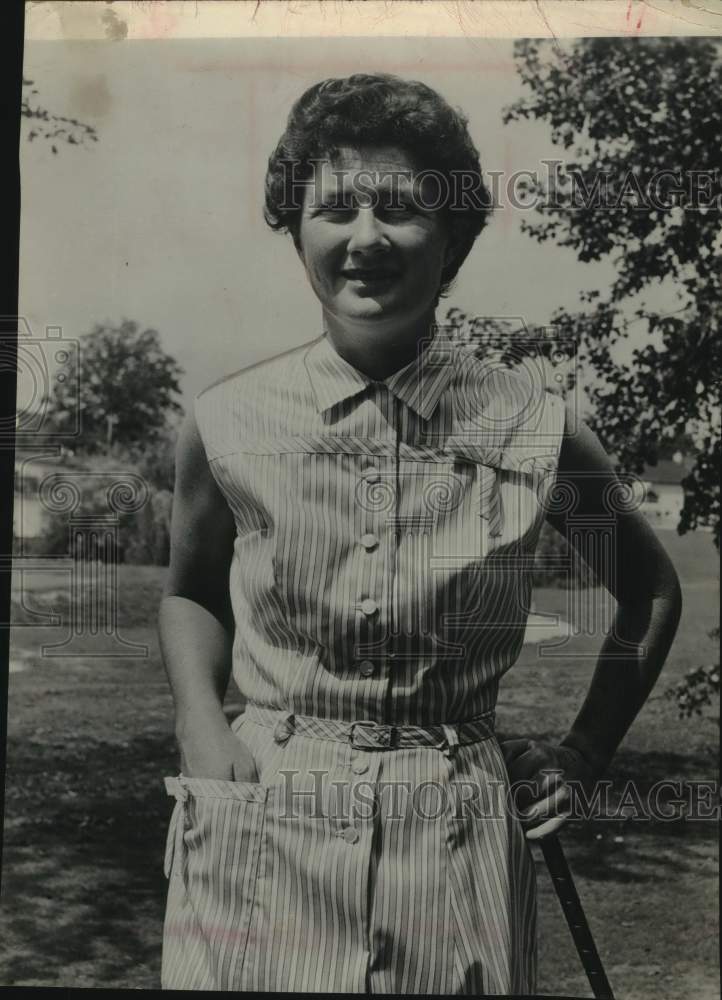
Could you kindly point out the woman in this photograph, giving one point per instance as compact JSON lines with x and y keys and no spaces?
{"x":353,"y":527}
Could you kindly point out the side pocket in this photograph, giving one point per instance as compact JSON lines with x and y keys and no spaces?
{"x":213,"y":849}
{"x":513,"y":820}
{"x":175,"y":831}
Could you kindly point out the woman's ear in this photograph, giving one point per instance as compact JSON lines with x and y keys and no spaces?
{"x":451,"y":249}
{"x":450,"y":253}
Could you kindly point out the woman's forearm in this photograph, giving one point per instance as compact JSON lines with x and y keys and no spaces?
{"x":197,"y":649}
{"x":629,"y":664}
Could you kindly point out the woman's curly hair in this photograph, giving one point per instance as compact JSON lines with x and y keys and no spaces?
{"x":378,"y":109}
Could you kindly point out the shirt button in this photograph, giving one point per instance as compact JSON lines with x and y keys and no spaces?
{"x":369,"y":541}
{"x":366,"y":667}
{"x":350,"y":835}
{"x":371,"y":474}
{"x":369,"y":606}
{"x":360,"y":766}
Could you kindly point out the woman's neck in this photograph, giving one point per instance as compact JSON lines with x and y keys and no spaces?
{"x":375,"y":351}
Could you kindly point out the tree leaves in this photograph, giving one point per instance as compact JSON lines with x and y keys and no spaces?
{"x":51,"y":127}
{"x":124,"y":386}
{"x":641,"y":186}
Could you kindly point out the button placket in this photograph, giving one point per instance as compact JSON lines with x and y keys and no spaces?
{"x":367,"y":630}
{"x":364,"y":767}
{"x":369,"y":608}
{"x":375,"y":498}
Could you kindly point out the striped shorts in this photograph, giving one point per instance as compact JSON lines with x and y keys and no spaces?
{"x":366,"y":859}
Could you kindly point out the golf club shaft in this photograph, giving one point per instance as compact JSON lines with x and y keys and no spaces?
{"x":563,"y":883}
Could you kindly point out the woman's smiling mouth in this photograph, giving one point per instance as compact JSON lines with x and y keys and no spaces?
{"x":369,"y":275}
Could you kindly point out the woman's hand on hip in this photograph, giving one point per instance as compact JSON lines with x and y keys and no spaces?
{"x":214,"y":751}
{"x":540,"y":775}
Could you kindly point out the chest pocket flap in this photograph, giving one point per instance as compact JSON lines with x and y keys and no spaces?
{"x":527,"y":464}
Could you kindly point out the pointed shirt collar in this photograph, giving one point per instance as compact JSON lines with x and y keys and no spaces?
{"x":419,"y":384}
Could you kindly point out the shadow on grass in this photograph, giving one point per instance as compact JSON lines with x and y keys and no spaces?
{"x":641,"y":848}
{"x":83,"y":887}
{"x":86,"y":821}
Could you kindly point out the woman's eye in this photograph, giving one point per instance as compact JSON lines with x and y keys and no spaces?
{"x":334,"y":213}
{"x":341,"y":210}
{"x":335,"y":207}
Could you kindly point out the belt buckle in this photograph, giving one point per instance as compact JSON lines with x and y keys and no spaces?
{"x":371,"y":725}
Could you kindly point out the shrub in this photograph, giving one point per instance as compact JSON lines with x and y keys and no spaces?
{"x":141,"y":536}
{"x":697,"y":688}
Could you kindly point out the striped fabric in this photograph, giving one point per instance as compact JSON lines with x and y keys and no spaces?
{"x":385,"y":534}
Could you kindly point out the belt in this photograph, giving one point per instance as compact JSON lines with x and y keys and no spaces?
{"x":365,"y":734}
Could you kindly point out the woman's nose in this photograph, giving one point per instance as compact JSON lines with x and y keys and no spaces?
{"x":367,"y":233}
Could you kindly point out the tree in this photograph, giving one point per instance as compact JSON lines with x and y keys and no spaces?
{"x":123,"y":386}
{"x":54,"y":128}
{"x":641,"y":187}
{"x":510,"y":341}
{"x":641,"y":121}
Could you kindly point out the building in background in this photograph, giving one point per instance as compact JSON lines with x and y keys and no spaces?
{"x":663,"y":496}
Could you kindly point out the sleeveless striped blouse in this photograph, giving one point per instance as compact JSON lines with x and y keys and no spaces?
{"x":385,"y":529}
{"x":385,"y":534}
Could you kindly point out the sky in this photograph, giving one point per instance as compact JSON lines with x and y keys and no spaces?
{"x":161,"y":222}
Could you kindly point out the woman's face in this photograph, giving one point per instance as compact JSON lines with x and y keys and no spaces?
{"x":373,"y":254}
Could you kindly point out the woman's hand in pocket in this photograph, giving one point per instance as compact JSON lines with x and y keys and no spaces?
{"x":212,"y":750}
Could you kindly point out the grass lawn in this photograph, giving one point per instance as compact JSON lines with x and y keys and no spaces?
{"x":90,"y":740}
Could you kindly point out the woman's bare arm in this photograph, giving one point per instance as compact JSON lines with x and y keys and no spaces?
{"x":640,"y":576}
{"x":195,"y":621}
{"x":638,"y":573}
